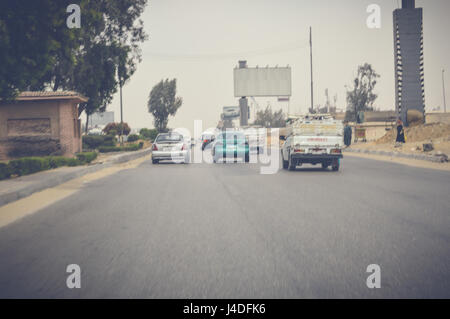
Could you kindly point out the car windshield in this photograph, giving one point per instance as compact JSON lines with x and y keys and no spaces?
{"x":169,"y":138}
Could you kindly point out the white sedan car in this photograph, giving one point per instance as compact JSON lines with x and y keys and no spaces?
{"x":170,"y":147}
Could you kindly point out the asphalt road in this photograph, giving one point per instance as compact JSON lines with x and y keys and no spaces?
{"x":225,"y":231}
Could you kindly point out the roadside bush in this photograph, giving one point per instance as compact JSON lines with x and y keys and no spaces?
{"x":127,"y":148}
{"x":117,"y":127}
{"x":73,"y":162}
{"x":29,"y":165}
{"x":109,"y":149}
{"x":92,"y":142}
{"x":5,"y":171}
{"x":133,"y":137}
{"x":57,"y":161}
{"x":113,"y":133}
{"x":149,"y":134}
{"x":109,"y":140}
{"x":86,"y":157}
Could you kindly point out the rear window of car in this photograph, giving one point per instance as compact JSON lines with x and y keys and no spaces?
{"x":163,"y":138}
{"x":231,"y":136}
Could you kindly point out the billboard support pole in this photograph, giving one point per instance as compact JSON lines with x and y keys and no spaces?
{"x":243,"y":105}
{"x":310,"y":50}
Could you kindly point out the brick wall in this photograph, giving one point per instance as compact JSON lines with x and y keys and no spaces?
{"x":51,"y":119}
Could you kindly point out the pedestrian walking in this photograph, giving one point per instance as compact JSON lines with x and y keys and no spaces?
{"x":400,"y":133}
{"x":347,"y":135}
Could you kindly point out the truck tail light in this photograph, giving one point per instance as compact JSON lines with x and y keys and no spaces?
{"x":154,"y":147}
{"x":336,"y":151}
{"x":297,"y":149}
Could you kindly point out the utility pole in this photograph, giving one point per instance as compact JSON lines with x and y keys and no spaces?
{"x":121,"y":110}
{"x":443,"y":91}
{"x":310,"y":50}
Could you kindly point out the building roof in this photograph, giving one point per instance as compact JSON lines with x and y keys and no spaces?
{"x":51,"y":95}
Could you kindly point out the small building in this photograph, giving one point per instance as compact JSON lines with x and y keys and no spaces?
{"x":40,"y":124}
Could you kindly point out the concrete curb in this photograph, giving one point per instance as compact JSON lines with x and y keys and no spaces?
{"x":57,"y":180}
{"x":422,"y":157}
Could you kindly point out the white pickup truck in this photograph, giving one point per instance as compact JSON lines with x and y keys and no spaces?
{"x":315,"y":140}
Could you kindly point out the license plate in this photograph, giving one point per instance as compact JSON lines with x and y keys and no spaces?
{"x":167,"y":149}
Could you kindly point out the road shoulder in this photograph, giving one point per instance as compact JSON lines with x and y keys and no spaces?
{"x":18,"y":209}
{"x":403,"y":161}
{"x":14,"y":189}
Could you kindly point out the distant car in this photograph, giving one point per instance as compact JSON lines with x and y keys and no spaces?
{"x":170,"y":147}
{"x":231,"y":145}
{"x":256,"y":140}
{"x":207,"y":138}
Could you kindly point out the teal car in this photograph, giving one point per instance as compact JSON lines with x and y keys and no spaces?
{"x":231,"y":145}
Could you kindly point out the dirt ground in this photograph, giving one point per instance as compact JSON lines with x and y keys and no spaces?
{"x":416,"y":136}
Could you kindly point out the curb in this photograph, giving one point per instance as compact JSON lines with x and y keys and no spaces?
{"x":57,"y":180}
{"x":422,"y":157}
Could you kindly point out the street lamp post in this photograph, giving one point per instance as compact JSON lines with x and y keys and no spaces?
{"x":121,"y":106}
{"x":121,"y":114}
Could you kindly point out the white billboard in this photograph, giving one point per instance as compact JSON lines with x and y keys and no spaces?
{"x":262,"y":82}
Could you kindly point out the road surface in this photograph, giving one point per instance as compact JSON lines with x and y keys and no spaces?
{"x":225,"y":231}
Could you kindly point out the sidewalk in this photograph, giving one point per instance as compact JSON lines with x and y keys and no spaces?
{"x":17,"y":188}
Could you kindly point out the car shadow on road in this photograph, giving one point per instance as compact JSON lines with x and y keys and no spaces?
{"x":313,"y":169}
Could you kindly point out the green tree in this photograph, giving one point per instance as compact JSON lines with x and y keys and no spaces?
{"x":116,"y":128}
{"x":149,"y":134}
{"x":30,"y":33}
{"x":362,"y":97}
{"x":268,"y":118}
{"x":38,"y":51}
{"x":163,"y":102}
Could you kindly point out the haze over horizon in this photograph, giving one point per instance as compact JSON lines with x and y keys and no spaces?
{"x":200,"y":42}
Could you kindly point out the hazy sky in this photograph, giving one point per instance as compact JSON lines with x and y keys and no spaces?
{"x":199,"y":42}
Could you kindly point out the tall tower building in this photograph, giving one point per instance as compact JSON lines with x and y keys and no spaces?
{"x":409,"y":70}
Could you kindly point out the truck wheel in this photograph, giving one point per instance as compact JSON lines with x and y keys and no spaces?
{"x":325,"y":165}
{"x":285,"y":163}
{"x":155,"y":161}
{"x":291,"y":164}
{"x":335,"y":166}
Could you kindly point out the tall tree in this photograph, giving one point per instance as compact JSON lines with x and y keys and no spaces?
{"x":268,"y":118}
{"x":163,"y":102}
{"x":362,"y":97}
{"x":30,"y":33}
{"x":38,"y":50}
